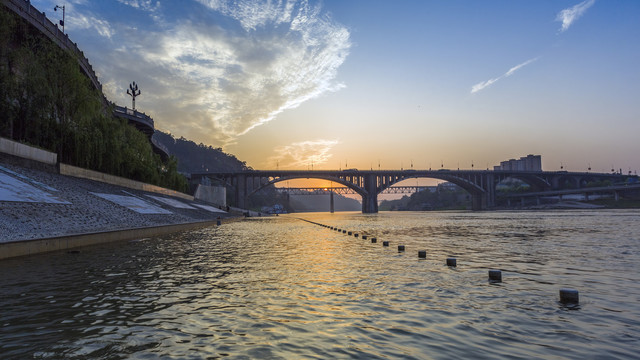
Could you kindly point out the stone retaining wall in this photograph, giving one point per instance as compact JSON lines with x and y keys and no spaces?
{"x":22,"y":248}
{"x":212,"y":194}
{"x":119,"y":181}
{"x":27,"y":152}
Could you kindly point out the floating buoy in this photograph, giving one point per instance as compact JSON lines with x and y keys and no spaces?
{"x":355,"y":235}
{"x":364,"y":237}
{"x":374,"y":240}
{"x":344,"y":231}
{"x":569,"y":296}
{"x":384,"y":243}
{"x":349,"y":233}
{"x":451,"y":261}
{"x":400,"y":248}
{"x":422,"y":254}
{"x":495,"y":275}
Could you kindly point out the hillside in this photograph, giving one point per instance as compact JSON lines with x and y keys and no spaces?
{"x":196,"y":158}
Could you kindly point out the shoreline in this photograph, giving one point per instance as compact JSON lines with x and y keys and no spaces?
{"x":19,"y":248}
{"x":42,"y":210}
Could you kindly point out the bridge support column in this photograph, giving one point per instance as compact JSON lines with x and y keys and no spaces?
{"x":479,"y":202}
{"x":370,"y":200}
{"x":241,"y":191}
{"x":490,"y":188}
{"x":331,"y":202}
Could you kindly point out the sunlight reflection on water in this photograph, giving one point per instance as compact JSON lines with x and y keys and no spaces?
{"x":284,"y":288}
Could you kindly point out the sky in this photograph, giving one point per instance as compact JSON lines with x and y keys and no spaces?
{"x":374,"y":84}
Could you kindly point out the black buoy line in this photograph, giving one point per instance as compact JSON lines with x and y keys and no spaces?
{"x":568,"y":297}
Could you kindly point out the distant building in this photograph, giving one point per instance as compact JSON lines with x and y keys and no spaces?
{"x":527,"y":163}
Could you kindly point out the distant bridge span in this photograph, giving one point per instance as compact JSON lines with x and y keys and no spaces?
{"x":481,"y":184}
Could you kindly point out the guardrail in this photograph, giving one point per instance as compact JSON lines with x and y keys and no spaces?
{"x":123,"y":111}
{"x":162,"y":150}
{"x":40,"y":21}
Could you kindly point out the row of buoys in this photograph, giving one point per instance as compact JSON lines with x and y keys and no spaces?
{"x":567,"y":296}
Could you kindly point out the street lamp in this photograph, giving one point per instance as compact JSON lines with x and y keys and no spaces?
{"x":133,"y":92}
{"x":63,"y":12}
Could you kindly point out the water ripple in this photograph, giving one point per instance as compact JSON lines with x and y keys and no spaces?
{"x":282,"y":288}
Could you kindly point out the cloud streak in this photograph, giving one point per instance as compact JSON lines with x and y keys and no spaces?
{"x":303,"y":153}
{"x":570,"y":15}
{"x":225,"y":67}
{"x":484,"y":84}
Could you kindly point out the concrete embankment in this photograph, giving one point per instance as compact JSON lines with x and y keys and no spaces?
{"x":42,"y":210}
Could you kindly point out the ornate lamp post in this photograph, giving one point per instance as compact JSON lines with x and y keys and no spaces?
{"x":133,"y":92}
{"x":63,"y":12}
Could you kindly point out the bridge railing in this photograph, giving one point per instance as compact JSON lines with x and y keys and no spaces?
{"x":40,"y":21}
{"x":347,"y":190}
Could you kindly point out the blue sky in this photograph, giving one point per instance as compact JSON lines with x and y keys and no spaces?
{"x":356,"y":83}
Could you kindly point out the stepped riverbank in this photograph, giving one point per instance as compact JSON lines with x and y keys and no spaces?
{"x":41,"y":210}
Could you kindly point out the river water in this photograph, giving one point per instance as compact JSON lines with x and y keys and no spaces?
{"x":280,"y":287}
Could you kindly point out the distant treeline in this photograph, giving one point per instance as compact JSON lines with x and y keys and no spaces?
{"x":442,"y":199}
{"x":198,"y":158}
{"x":46,"y":101}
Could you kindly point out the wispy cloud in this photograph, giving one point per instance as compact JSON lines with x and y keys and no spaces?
{"x":482,"y":85}
{"x":146,"y":5}
{"x":81,"y":21}
{"x":303,"y":153}
{"x":233,"y":67}
{"x":569,"y":15}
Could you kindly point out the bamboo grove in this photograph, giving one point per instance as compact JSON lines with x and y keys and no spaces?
{"x":46,"y":101}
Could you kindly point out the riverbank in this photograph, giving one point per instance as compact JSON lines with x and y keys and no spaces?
{"x":40,"y":206}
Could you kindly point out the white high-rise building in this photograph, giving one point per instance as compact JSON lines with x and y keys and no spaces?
{"x":527,"y":163}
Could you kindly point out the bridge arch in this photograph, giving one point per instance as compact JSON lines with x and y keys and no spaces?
{"x":470,"y":187}
{"x":360,"y":191}
{"x":470,"y":184}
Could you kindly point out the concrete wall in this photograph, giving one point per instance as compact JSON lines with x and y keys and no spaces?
{"x":30,"y":247}
{"x":119,"y":181}
{"x":46,"y":157}
{"x":212,"y":194}
{"x":27,"y":152}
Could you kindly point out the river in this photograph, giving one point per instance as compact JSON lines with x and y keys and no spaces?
{"x":280,"y":287}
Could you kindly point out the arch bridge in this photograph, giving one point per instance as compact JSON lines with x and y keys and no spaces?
{"x":481,"y":184}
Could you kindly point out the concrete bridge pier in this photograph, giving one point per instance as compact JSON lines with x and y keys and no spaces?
{"x":331,"y":208}
{"x":370,"y":199}
{"x":485,"y":197}
{"x":478,"y":201}
{"x":241,"y":191}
